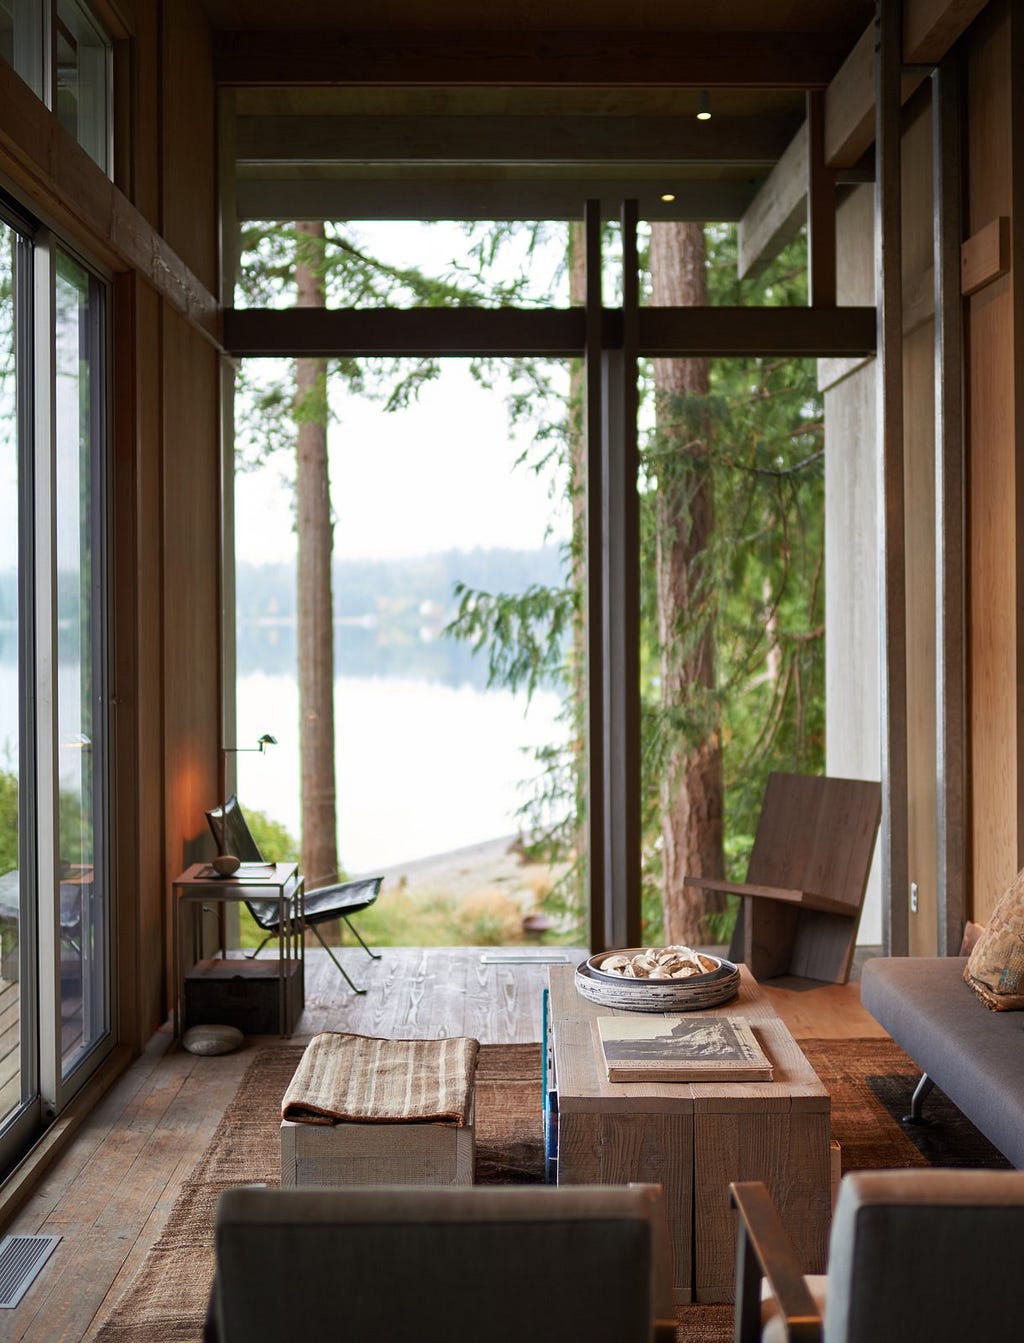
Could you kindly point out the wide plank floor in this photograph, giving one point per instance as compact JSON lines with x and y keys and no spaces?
{"x":111,"y":1191}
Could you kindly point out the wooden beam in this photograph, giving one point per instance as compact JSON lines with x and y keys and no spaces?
{"x":510,"y":139}
{"x":68,"y":190}
{"x":555,"y":333}
{"x":774,"y":216}
{"x":930,"y":27}
{"x":557,"y":59}
{"x":985,"y":255}
{"x":412,"y":332}
{"x":551,"y":197}
{"x":836,"y":332}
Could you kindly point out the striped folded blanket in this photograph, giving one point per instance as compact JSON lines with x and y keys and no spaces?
{"x":357,"y":1079}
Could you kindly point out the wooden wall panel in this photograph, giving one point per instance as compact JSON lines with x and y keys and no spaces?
{"x":994,"y":633}
{"x":149,"y":1002}
{"x":191,"y":637}
{"x":919,"y":467}
{"x":145,"y":157}
{"x":189,"y":150}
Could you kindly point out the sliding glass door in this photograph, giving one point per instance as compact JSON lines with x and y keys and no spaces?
{"x":78,"y":425}
{"x":16,"y":941}
{"x":54,"y":892}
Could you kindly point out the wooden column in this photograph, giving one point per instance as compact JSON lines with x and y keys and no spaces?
{"x":594,"y":580}
{"x":621,"y":608}
{"x":951,"y":704}
{"x":893,"y":613}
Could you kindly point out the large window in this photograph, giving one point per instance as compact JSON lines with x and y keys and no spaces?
{"x":60,"y":50}
{"x":54,"y":892}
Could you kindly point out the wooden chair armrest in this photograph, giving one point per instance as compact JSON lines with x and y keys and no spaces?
{"x":764,"y":1250}
{"x":806,"y":899}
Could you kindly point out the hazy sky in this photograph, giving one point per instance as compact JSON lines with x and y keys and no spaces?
{"x":434,"y":477}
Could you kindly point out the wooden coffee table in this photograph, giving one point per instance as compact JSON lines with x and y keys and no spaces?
{"x":693,"y":1138}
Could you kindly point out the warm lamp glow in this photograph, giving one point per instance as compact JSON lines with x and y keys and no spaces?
{"x":703,"y":106}
{"x":668,"y":196}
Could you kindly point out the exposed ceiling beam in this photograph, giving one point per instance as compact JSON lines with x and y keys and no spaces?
{"x":510,"y":139}
{"x":512,"y":198}
{"x":555,"y":333}
{"x":777,"y":211}
{"x":774,"y":216}
{"x":930,"y":27}
{"x":790,"y":60}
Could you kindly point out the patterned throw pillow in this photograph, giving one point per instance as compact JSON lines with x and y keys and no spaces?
{"x":995,"y":968}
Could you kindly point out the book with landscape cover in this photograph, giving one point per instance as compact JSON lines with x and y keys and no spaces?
{"x":693,"y":1048}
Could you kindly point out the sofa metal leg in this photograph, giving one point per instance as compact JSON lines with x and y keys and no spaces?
{"x":917,"y":1101}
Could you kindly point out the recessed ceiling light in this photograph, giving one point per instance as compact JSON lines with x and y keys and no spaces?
{"x":668,"y":195}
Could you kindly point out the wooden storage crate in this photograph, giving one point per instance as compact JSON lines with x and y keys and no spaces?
{"x":343,"y":1154}
{"x":243,"y":993}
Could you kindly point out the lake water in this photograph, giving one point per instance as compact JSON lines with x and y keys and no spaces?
{"x":422,"y":767}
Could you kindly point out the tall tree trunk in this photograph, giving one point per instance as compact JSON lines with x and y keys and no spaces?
{"x":692,"y":786}
{"x":315,"y":602}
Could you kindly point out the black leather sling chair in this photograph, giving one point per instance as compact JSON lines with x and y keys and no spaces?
{"x":337,"y":901}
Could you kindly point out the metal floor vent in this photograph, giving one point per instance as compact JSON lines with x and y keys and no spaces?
{"x":21,"y":1261}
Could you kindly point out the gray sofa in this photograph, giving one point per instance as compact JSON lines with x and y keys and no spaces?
{"x":975,"y":1055}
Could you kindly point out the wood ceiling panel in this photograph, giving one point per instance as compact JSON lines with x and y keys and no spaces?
{"x":701,"y":59}
{"x":444,"y":140}
{"x":849,"y":17}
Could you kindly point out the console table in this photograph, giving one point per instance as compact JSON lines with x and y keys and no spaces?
{"x":693,"y":1138}
{"x":238,"y":987}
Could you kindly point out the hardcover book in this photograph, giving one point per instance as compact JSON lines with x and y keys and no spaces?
{"x":693,"y":1048}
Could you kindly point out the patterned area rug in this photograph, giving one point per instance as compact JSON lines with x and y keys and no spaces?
{"x":870,"y":1082}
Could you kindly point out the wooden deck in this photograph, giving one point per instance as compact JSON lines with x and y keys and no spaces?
{"x":111,"y":1191}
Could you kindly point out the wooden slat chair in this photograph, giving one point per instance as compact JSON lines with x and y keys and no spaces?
{"x":806,"y":878}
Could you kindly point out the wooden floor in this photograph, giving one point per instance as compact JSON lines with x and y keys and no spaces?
{"x":110,"y":1193}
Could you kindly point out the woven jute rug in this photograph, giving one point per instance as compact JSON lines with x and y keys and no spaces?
{"x":870,"y":1082}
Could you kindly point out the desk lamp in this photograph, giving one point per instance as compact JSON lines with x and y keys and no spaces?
{"x":226,"y":864}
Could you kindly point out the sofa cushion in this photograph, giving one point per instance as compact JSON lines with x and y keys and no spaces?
{"x":975,"y":1057}
{"x":995,"y":968}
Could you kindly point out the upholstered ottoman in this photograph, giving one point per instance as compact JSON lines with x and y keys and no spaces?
{"x":360,"y":1110}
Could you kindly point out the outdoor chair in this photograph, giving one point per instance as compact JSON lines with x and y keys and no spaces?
{"x":443,"y":1264}
{"x":914,"y":1254}
{"x":806,"y":878}
{"x":339,"y":900}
